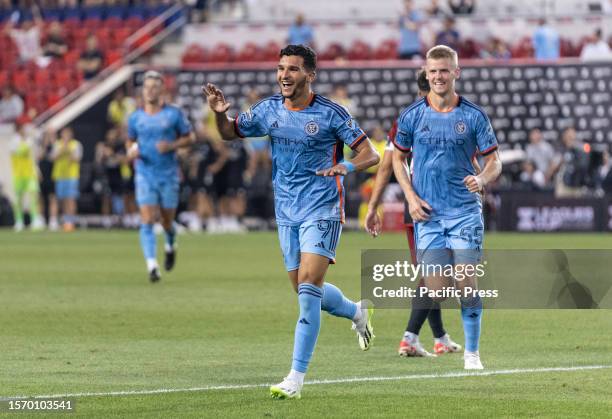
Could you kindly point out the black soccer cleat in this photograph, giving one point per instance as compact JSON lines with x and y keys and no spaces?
{"x":170,"y":259}
{"x":154,"y":275}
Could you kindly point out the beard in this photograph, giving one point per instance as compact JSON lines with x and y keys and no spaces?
{"x":298,"y":89}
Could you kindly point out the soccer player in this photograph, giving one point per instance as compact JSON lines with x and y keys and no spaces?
{"x":155,"y":132}
{"x":308,"y":132}
{"x":410,"y":344}
{"x":25,"y":179}
{"x":444,"y":131}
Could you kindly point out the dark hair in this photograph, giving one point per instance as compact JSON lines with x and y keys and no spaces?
{"x":422,"y":82}
{"x":309,"y":56}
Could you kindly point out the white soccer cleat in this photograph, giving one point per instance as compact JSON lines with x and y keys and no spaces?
{"x":363,"y":326}
{"x":472,"y":361}
{"x":413,"y":349}
{"x":18,"y":226}
{"x":37,"y":225}
{"x":287,"y":389}
{"x":445,"y":345}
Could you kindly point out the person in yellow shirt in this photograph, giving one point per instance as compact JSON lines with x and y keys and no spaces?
{"x":25,"y":179}
{"x":120,"y":108}
{"x":67,"y":153}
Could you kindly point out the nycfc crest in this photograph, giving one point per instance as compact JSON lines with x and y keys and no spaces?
{"x":460,"y":127}
{"x":311,"y":128}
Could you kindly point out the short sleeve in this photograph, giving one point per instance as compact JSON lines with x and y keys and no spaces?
{"x":404,"y":134}
{"x":485,"y":136}
{"x":183,"y":126}
{"x":347,"y":129}
{"x":132,"y":133}
{"x":252,"y":122}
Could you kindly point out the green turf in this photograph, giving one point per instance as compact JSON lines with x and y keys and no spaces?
{"x":78,"y":315}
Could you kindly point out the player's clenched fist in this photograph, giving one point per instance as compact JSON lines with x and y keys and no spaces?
{"x":473,"y":183}
{"x":339,"y":169}
{"x":215,"y":98}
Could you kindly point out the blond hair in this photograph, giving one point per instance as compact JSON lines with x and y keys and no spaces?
{"x":442,"y":51}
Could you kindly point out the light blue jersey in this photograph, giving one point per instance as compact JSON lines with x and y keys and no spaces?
{"x":443,"y":146}
{"x":303,"y":141}
{"x":168,"y":124}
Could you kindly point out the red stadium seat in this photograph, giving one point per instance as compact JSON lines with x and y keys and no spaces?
{"x":222,"y":53}
{"x":42,"y":77}
{"x":249,"y":53}
{"x":270,"y":51}
{"x":113,"y":56}
{"x":387,"y":50}
{"x":21,"y":79}
{"x":359,"y":50}
{"x":469,"y":48}
{"x":333,"y":52}
{"x":195,"y":54}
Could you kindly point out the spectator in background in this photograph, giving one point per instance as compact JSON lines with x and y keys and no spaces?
{"x":546,"y":43}
{"x":67,"y":154}
{"x":11,"y":106}
{"x":434,"y":10}
{"x":532,"y":178}
{"x":92,"y":59}
{"x":462,"y":7}
{"x":572,"y":168}
{"x":27,"y":37}
{"x":596,"y":49}
{"x":542,"y":154}
{"x":409,"y":25}
{"x":340,"y":96}
{"x":496,"y":49}
{"x":56,"y":46}
{"x":605,"y":174}
{"x":110,"y":156}
{"x":449,"y":36}
{"x":300,"y":32}
{"x":120,"y":108}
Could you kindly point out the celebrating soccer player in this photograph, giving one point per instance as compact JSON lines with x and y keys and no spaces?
{"x":443,"y":131}
{"x":155,"y":132}
{"x":308,"y":132}
{"x":421,"y":310}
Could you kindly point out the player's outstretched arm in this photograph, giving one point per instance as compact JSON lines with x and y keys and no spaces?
{"x":419,"y":209}
{"x":491,"y":171}
{"x":373,"y":223}
{"x":365,"y":156}
{"x":217,"y":103}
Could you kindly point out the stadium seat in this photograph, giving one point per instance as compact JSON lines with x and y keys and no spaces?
{"x":387,"y":50}
{"x":195,"y":54}
{"x":222,"y":53}
{"x":469,"y":49}
{"x":112,"y":56}
{"x":270,"y":51}
{"x":359,"y":50}
{"x":333,"y":52}
{"x":249,"y":53}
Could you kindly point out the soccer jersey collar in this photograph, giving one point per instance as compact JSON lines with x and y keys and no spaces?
{"x":310,"y":101}
{"x":431,"y":105}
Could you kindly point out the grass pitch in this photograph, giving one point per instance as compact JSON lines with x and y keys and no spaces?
{"x":78,"y":315}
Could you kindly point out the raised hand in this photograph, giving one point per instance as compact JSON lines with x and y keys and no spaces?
{"x":215,"y":98}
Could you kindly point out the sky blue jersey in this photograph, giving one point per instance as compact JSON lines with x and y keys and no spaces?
{"x":443,"y":145}
{"x":168,"y":124}
{"x":303,"y":141}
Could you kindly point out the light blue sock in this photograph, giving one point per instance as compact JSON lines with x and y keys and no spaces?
{"x":471,"y":313}
{"x":336,"y":304}
{"x":147,"y":241}
{"x":308,"y":325}
{"x":170,"y":236}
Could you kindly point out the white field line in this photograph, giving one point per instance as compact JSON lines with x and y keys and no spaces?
{"x":314,"y":382}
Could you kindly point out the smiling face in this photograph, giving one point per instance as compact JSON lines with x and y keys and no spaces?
{"x":293,"y":79}
{"x":441,"y":74}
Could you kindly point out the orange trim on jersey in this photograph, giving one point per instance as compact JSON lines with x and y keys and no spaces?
{"x":308,"y":103}
{"x":488,"y":150}
{"x":456,"y":102}
{"x":339,"y":185}
{"x":357,"y":141}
